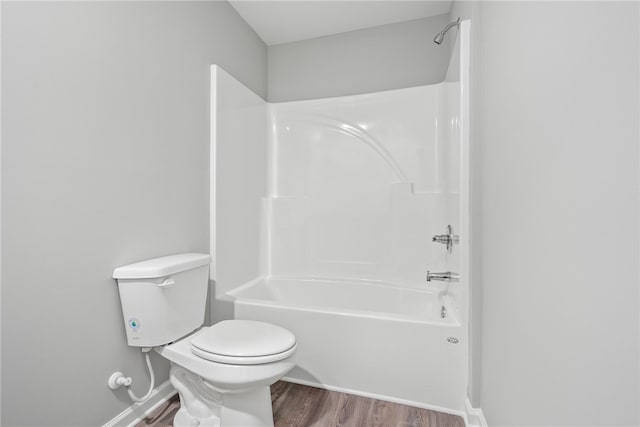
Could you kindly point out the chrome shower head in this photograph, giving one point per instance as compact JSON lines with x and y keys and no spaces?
{"x":440,"y":36}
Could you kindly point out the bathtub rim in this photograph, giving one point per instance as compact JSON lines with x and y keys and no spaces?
{"x":453,"y":319}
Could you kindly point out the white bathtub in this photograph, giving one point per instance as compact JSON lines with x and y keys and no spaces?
{"x":368,"y":338}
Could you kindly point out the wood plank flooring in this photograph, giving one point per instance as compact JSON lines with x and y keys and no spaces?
{"x":163,"y":416}
{"x":296,"y":405}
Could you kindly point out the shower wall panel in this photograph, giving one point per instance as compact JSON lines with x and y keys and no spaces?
{"x":450,"y":128}
{"x":238,"y":171}
{"x":359,"y":185}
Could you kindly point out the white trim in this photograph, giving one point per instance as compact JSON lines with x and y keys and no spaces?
{"x":474,"y":417}
{"x":459,"y":413}
{"x":138,"y":411}
{"x":213,"y":134}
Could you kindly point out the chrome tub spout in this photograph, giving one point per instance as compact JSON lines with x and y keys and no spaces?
{"x":446,"y":276}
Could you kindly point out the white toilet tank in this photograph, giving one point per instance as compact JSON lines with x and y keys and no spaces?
{"x":163,"y":299}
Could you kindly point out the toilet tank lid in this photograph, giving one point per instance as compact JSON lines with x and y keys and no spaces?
{"x":163,"y":266}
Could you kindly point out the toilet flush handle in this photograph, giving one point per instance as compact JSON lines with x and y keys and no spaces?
{"x":166,"y":283}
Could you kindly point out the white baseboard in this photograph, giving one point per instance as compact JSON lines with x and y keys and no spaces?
{"x":474,"y":417}
{"x":138,"y":411}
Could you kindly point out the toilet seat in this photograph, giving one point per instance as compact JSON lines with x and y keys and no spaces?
{"x":243,"y":342}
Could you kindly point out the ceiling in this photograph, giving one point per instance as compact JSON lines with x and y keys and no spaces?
{"x":286,"y":21}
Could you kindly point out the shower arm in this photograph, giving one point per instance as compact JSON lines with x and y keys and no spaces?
{"x":440,"y":36}
{"x":448,"y":27}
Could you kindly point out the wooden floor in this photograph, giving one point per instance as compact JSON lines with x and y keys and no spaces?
{"x":297,"y":405}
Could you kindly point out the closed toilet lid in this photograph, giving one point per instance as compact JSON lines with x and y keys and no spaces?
{"x":243,"y":342}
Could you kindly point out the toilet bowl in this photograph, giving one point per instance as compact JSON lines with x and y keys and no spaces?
{"x":221,"y":372}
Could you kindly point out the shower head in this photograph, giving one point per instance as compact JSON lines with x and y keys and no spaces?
{"x":440,"y":36}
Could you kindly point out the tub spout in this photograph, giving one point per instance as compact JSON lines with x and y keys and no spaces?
{"x":446,"y":276}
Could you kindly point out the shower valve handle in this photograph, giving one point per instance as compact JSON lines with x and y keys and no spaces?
{"x":442,"y":238}
{"x":448,"y":239}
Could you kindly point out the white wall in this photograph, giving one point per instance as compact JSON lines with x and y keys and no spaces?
{"x":381,"y":58}
{"x":556,"y":211}
{"x":105,"y":161}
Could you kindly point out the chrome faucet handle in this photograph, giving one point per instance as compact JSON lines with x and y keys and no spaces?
{"x":442,"y":238}
{"x":447,"y":276}
{"x":448,"y":239}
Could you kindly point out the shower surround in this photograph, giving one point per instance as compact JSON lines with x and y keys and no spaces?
{"x":323,"y":213}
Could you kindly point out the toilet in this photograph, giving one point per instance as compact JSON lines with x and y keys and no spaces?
{"x":221,"y":372}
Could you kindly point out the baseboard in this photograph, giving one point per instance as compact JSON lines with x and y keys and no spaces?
{"x":474,"y":417}
{"x":462,"y":414}
{"x":138,"y":411}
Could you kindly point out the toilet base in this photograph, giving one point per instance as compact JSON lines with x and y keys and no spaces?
{"x":183,"y":419}
{"x":250,"y":408}
{"x":203,"y":405}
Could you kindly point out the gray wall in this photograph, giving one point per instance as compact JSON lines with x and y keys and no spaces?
{"x":556,"y":174}
{"x":387,"y":57}
{"x":105,"y":161}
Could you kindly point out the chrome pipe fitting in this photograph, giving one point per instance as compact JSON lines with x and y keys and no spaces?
{"x":447,"y":276}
